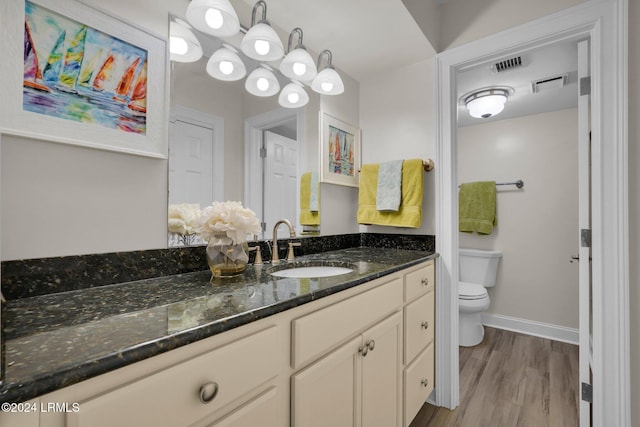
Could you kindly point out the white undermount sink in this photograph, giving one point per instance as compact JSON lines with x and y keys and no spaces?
{"x":313,"y":271}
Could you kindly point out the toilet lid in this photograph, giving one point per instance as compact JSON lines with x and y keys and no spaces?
{"x":471,"y":291}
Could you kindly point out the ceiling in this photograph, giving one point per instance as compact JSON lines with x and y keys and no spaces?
{"x":365,"y":37}
{"x":541,"y":63}
{"x":369,"y":37}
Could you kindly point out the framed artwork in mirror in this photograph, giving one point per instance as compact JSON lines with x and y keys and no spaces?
{"x":75,"y":74}
{"x":339,"y":151}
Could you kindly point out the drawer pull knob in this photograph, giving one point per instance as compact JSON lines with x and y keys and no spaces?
{"x":425,"y":382}
{"x":368,"y":346}
{"x":425,"y":281}
{"x":364,"y":349}
{"x":425,"y":325}
{"x":208,"y":391}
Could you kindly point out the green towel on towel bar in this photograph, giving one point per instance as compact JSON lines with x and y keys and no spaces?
{"x":477,"y":207}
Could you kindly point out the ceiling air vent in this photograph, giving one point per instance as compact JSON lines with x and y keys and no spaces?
{"x":550,"y":83}
{"x":507,"y":64}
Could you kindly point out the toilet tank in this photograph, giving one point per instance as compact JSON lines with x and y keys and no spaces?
{"x":479,"y":266}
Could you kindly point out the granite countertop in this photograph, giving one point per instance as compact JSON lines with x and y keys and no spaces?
{"x":53,"y":341}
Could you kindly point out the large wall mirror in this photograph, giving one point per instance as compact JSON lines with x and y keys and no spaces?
{"x":226,"y":144}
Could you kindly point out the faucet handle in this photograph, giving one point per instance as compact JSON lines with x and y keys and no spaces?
{"x":291,"y":256}
{"x":258,"y":260}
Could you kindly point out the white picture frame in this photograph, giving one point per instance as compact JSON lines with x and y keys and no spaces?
{"x":340,"y":152}
{"x":152,"y":141}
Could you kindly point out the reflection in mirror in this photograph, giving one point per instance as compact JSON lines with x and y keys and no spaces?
{"x":226,"y":144}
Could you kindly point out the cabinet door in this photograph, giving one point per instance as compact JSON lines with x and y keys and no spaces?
{"x":381,"y":373}
{"x":324,"y":394}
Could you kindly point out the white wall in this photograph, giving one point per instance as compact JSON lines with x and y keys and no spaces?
{"x":398,"y":122}
{"x":462,"y":21}
{"x":65,"y":200}
{"x":339,"y":204}
{"x":537,"y":227}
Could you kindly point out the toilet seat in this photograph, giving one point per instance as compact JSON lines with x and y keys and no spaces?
{"x":471,"y":291}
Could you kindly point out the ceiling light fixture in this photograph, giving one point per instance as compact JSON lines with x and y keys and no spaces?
{"x":216,"y":17}
{"x":328,"y":81}
{"x":485,"y":103}
{"x":183,"y":44}
{"x":293,"y":95}
{"x":261,"y":42}
{"x":226,"y":65}
{"x":298,"y":64}
{"x":262,"y":82}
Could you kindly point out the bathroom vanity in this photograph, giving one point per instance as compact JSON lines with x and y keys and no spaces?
{"x":354,"y":349}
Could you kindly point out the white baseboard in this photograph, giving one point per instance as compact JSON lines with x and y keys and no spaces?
{"x":531,"y":327}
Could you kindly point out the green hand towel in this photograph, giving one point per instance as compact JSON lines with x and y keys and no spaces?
{"x":477,"y":207}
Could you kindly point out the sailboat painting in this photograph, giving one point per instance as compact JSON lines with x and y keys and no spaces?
{"x":75,"y":72}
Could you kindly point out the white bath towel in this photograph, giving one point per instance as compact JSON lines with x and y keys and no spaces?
{"x":389,"y":186}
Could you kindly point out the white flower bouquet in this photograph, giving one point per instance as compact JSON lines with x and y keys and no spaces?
{"x":183,"y":220}
{"x":225,"y":225}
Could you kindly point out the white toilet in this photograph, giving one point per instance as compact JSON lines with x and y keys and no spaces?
{"x":477,"y":271}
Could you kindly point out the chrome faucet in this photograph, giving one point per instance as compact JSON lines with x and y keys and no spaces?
{"x":275,"y":259}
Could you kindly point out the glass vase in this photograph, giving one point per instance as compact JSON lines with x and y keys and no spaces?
{"x":227,"y":260}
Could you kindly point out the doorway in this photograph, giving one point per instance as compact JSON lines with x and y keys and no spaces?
{"x":535,"y":140}
{"x":273,"y":153}
{"x":603,"y":24}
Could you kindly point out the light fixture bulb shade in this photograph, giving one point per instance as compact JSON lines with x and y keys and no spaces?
{"x":293,"y":95}
{"x":262,"y":82}
{"x":262,"y":33}
{"x":299,"y":65}
{"x":215,"y":17}
{"x":226,"y":65}
{"x":183,"y":44}
{"x":486,"y":103}
{"x":328,"y":82}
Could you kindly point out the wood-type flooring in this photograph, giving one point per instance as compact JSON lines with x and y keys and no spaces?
{"x":512,"y":380}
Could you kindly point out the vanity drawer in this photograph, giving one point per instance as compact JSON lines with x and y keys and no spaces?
{"x":172,"y":397}
{"x":419,"y":326}
{"x":418,"y":383}
{"x":419,"y":282}
{"x":316,"y":333}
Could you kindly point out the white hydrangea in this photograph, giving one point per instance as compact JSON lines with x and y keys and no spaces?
{"x":184,"y":218}
{"x":224,"y":223}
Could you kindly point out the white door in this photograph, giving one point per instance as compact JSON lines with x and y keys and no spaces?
{"x":280,"y":193}
{"x":584,"y":232}
{"x":190,"y":163}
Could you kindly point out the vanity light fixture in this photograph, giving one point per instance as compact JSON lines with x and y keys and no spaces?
{"x":262,"y":82}
{"x":328,"y":81}
{"x":261,"y":41}
{"x":485,"y":103}
{"x":293,"y":95}
{"x":183,"y":44}
{"x":225,"y":64}
{"x":298,"y":64}
{"x":215,"y":17}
